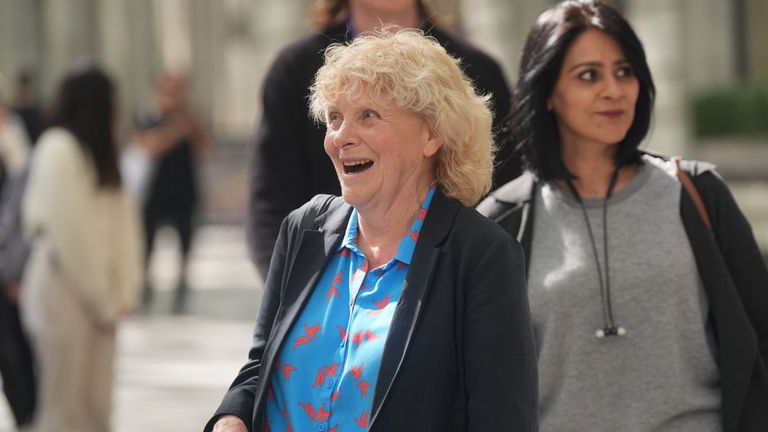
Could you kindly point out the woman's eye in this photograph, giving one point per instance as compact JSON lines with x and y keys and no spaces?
{"x":625,"y":71}
{"x":588,"y":75}
{"x":334,"y":120}
{"x":370,"y":114}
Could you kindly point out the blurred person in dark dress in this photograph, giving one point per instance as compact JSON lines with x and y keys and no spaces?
{"x":175,"y":140}
{"x":26,"y":104}
{"x":16,"y":359}
{"x":287,"y":164}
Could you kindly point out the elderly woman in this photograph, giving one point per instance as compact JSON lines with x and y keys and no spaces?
{"x":398,"y":308}
{"x":645,"y":318}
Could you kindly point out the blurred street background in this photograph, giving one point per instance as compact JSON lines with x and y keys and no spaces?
{"x":708,"y":57}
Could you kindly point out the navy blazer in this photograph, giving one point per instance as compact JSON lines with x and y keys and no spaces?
{"x":460,"y":353}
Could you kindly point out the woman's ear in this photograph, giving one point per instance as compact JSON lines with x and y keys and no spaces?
{"x":433,"y":144}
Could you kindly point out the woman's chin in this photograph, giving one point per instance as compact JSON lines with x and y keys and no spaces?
{"x":352,"y":196}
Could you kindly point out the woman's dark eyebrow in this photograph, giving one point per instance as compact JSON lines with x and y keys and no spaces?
{"x":596,"y":64}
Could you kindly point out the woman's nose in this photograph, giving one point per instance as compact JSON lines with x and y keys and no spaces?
{"x":612,"y":88}
{"x":345,"y":135}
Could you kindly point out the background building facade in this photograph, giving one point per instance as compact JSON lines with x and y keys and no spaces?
{"x":226,"y":47}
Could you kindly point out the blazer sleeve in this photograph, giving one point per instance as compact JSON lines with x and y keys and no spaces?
{"x":500,"y":356}
{"x":240,"y":398}
{"x":277,"y":176}
{"x":741,"y":253}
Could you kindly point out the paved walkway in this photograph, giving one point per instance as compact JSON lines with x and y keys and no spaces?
{"x":174,"y":369}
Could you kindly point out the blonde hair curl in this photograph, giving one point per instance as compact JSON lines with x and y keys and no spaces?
{"x":418,"y":75}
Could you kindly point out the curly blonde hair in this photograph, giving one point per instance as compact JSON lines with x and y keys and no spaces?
{"x":417,"y":75}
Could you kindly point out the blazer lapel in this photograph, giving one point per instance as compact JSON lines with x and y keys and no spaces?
{"x":417,"y":283}
{"x":314,"y":249}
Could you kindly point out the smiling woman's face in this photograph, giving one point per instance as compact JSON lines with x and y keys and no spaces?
{"x":595,"y":95}
{"x":378,"y":150}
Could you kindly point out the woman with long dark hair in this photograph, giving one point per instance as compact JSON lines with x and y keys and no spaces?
{"x":646,"y":319}
{"x":85,"y":267}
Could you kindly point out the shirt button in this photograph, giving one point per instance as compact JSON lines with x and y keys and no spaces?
{"x":321,"y":427}
{"x":330,"y":383}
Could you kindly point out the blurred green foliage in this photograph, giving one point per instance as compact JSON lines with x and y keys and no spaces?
{"x":741,"y":110}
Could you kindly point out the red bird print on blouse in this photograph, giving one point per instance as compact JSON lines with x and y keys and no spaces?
{"x":356,"y":372}
{"x":362,"y":421}
{"x":326,"y":380}
{"x":363,"y":386}
{"x":380,"y":304}
{"x":287,"y":369}
{"x":331,"y":370}
{"x":310,"y":332}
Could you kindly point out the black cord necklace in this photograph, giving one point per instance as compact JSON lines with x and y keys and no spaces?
{"x":609,"y":326}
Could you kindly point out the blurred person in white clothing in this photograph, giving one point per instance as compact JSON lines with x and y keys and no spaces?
{"x":86,"y":265}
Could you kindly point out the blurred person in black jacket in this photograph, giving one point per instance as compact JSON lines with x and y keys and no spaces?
{"x":27,"y":106}
{"x":175,"y":140}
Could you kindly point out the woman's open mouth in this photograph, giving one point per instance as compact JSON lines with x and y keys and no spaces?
{"x":358,"y":166}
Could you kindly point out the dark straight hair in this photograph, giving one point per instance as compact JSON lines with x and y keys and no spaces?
{"x":530,"y":126}
{"x":85,"y":106}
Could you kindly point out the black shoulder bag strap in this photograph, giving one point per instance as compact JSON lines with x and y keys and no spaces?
{"x":317,"y":206}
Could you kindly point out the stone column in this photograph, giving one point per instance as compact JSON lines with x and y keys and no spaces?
{"x":499,"y":27}
{"x":204,"y":33}
{"x":19,"y":40}
{"x":708,"y":41}
{"x":69,"y":33}
{"x":252,"y":33}
{"x":757,"y":35}
{"x":660,"y":26}
{"x":127,"y":50}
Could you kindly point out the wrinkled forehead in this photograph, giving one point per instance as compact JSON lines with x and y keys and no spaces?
{"x":357,"y":93}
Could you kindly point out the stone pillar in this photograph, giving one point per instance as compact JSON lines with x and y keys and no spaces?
{"x":172,"y":24}
{"x":660,"y":26}
{"x":19,"y":40}
{"x":127,"y":50}
{"x":252,"y":32}
{"x":708,"y":41}
{"x":499,"y":27}
{"x":69,"y":33}
{"x":757,"y":35}
{"x":205,"y":60}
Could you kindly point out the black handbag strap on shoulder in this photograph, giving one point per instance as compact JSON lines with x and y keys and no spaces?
{"x":318,"y":205}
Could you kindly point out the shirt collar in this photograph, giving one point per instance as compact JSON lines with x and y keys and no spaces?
{"x":407,"y":244}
